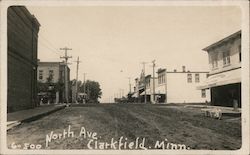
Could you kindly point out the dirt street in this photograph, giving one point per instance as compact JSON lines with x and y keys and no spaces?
{"x":136,"y":126}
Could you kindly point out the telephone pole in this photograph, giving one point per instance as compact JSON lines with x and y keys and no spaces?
{"x":144,"y":80}
{"x":77,"y":68}
{"x":84,"y":85}
{"x":129,"y":85}
{"x":84,"y":88}
{"x":153,"y":80}
{"x":66,"y":57}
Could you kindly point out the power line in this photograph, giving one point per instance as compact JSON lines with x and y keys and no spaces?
{"x":50,"y":49}
{"x":42,"y":39}
{"x":49,"y":43}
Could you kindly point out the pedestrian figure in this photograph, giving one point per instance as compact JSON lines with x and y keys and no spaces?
{"x":41,"y":101}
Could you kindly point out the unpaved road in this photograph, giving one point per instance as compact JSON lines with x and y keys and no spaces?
{"x":144,"y":126}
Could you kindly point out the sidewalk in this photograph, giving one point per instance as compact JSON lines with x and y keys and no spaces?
{"x":16,"y":118}
{"x":228,"y":111}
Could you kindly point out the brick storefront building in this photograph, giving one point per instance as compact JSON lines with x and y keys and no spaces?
{"x":22,"y":40}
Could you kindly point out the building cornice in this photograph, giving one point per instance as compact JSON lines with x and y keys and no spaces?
{"x":218,"y":43}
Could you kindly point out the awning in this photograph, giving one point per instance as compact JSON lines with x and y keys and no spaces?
{"x":225,"y":78}
{"x":135,"y":95}
{"x":147,"y":91}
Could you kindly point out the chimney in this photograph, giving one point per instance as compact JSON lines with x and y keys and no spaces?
{"x":183,"y":69}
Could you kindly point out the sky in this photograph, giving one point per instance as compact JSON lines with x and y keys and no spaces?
{"x":113,"y":41}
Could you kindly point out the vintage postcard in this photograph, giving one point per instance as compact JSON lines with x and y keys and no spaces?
{"x":124,"y":77}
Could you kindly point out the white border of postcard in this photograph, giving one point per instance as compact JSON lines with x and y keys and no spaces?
{"x":243,"y":4}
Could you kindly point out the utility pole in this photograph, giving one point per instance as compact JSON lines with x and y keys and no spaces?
{"x":77,"y":68}
{"x":66,"y":57}
{"x":144,"y":80}
{"x":84,"y":86}
{"x":129,"y":85}
{"x":153,"y":80}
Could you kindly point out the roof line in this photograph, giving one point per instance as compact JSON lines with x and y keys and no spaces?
{"x":222,"y":40}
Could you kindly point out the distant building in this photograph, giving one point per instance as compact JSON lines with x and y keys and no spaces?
{"x":56,"y":72}
{"x":224,"y":79}
{"x":181,"y":86}
{"x":161,"y":88}
{"x":141,"y":85}
{"x":149,"y":89}
{"x":22,"y":34}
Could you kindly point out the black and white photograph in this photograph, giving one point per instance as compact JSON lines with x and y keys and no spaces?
{"x":120,"y":77}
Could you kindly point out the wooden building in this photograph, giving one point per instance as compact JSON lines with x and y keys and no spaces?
{"x":224,"y":79}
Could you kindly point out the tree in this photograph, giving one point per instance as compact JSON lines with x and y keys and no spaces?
{"x":93,"y":91}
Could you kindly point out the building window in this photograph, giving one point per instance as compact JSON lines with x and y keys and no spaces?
{"x":215,"y":61}
{"x":239,"y":49}
{"x":51,"y":74}
{"x":161,"y":79}
{"x":203,"y":93}
{"x":197,"y":78}
{"x":189,"y":78}
{"x":226,"y":58}
{"x":40,"y":74}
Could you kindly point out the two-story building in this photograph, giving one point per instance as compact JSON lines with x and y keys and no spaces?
{"x":224,"y":79}
{"x":136,"y":94}
{"x":151,"y":84}
{"x":54,"y":73}
{"x":181,"y":86}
